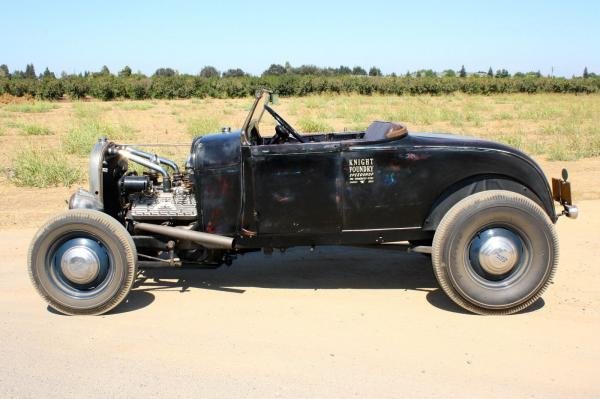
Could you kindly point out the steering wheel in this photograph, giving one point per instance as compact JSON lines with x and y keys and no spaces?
{"x":284,"y":124}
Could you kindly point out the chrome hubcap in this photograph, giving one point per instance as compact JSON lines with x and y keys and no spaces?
{"x":80,"y":264}
{"x":498,"y":255}
{"x":494,"y":253}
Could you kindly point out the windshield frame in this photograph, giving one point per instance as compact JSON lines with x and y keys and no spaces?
{"x":263,"y":96}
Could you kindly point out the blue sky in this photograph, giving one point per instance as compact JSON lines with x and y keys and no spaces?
{"x":394,"y":35}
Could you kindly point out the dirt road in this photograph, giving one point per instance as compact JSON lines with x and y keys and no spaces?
{"x":330,"y":323}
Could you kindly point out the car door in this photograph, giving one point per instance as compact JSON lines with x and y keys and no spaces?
{"x":382,"y":182}
{"x":297,"y":188}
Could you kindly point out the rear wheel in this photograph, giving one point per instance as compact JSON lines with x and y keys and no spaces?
{"x":495,"y":252}
{"x":82,"y":262}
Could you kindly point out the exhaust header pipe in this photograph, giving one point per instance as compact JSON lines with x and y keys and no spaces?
{"x":212,"y":241}
{"x":154,"y":158}
{"x":149,"y":164}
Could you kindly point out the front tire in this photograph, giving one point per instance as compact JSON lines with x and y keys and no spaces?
{"x":495,"y":252}
{"x":82,"y":262}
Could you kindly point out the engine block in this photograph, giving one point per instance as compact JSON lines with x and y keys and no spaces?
{"x":175,"y":205}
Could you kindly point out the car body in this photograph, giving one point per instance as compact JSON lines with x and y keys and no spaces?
{"x":246,"y":190}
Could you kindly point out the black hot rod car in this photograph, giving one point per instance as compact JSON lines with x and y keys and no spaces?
{"x":484,"y":211}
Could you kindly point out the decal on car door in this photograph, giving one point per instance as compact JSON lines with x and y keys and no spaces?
{"x":361,"y":171}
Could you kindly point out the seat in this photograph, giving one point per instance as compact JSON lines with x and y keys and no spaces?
{"x":380,"y":130}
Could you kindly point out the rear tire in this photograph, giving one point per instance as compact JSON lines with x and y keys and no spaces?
{"x":82,"y":262}
{"x":495,"y":252}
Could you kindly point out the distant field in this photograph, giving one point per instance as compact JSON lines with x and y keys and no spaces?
{"x":46,"y":144}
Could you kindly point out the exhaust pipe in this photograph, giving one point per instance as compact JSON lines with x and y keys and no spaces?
{"x":212,"y":241}
{"x":149,"y":164}
{"x":154,"y":158}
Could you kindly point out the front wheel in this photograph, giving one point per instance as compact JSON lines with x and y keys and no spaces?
{"x":495,"y":252}
{"x":82,"y":262}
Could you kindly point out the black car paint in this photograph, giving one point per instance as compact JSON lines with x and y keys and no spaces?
{"x":300,"y":193}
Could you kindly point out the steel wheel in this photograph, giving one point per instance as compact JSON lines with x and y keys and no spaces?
{"x":495,"y":252}
{"x":80,"y":265}
{"x":82,"y":262}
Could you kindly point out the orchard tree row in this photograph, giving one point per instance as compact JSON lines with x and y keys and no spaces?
{"x":282,"y":79}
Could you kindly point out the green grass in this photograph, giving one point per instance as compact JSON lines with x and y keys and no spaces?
{"x":315,"y":102}
{"x":88,"y":110}
{"x":514,"y":140}
{"x":44,"y":168}
{"x":31,"y":107}
{"x":202,"y":126}
{"x":35,"y":130}
{"x":80,"y":139}
{"x":311,"y":125}
{"x":504,"y":116}
{"x":551,"y":126}
{"x":134,"y":106}
{"x":575,"y":144}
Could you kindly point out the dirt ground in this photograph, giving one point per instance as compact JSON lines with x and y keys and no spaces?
{"x":335,"y":322}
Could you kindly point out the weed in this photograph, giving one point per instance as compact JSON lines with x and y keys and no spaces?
{"x":87,"y":110}
{"x":514,"y":140}
{"x":44,"y":168}
{"x":202,"y":126}
{"x":310,"y":125}
{"x":293,"y":109}
{"x":31,"y":107}
{"x":538,"y":114}
{"x":535,"y":147}
{"x":473,"y":118}
{"x":81,"y":138}
{"x":35,"y":130}
{"x":134,"y":106}
{"x":504,"y":116}
{"x":359,"y":127}
{"x":314,"y":102}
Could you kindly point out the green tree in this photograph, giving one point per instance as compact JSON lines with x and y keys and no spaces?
{"x":374,"y":71}
{"x":275,"y":69}
{"x":463,"y":72}
{"x":502,"y":73}
{"x":428,"y":73}
{"x":165,"y":72}
{"x":306,"y":70}
{"x":30,"y":72}
{"x":125,"y":72}
{"x":4,"y":72}
{"x":48,"y":75}
{"x":449,"y":73}
{"x":104,"y":71}
{"x":358,"y":71}
{"x":230,"y":73}
{"x":344,"y":70}
{"x":585,"y":73}
{"x":490,"y":73}
{"x":209,"y":72}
